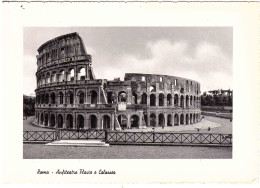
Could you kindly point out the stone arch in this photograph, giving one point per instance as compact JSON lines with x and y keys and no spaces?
{"x":134,"y":97}
{"x":187,"y":101}
{"x":42,"y":119}
{"x":81,"y":97}
{"x":161,"y":119}
{"x":46,"y":119}
{"x":93,"y":121}
{"x":153,"y":120}
{"x":53,"y":77}
{"x":69,"y":121}
{"x":53,"y":97}
{"x":61,"y":96}
{"x":93,"y":97}
{"x":70,"y":96}
{"x":191,"y":118}
{"x":82,"y":73}
{"x":122,"y":96}
{"x":176,"y":119}
{"x":161,"y":99}
{"x":61,"y":75}
{"x":46,"y":98}
{"x":60,"y":121}
{"x":106,"y":122}
{"x":144,"y":98}
{"x":122,"y":119}
{"x":182,"y":119}
{"x":187,"y":119}
{"x":152,"y":88}
{"x":182,"y":101}
{"x":71,"y":74}
{"x":52,"y":123}
{"x":134,"y":121}
{"x":48,"y":78}
{"x":176,"y":100}
{"x":169,"y":99}
{"x":169,"y":120}
{"x":80,"y":121}
{"x":152,"y":100}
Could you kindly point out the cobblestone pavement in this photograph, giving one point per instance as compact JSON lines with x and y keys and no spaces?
{"x":40,"y":151}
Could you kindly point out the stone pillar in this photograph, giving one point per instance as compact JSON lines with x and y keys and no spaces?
{"x":157,"y":99}
{"x":99,"y":102}
{"x":74,"y":121}
{"x":86,"y":120}
{"x":112,"y":121}
{"x":64,"y":121}
{"x":165,"y":119}
{"x":86,"y":96}
{"x":99,"y":121}
{"x":148,"y":118}
{"x":172,"y":100}
{"x":49,"y":120}
{"x":165,"y":100}
{"x":148,"y":99}
{"x":172,"y":120}
{"x":56,"y":120}
{"x":129,"y":96}
{"x":128,"y":121}
{"x":156,"y":119}
{"x":87,"y":73}
{"x":140,"y":123}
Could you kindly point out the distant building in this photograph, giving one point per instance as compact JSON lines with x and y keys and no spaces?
{"x":68,"y":95}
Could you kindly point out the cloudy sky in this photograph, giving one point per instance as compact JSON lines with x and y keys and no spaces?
{"x":200,"y":53}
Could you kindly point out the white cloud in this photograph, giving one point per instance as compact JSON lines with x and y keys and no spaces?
{"x":206,"y":63}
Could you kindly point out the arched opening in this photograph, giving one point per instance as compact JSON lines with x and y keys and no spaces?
{"x":176,"y":120}
{"x":60,"y":121}
{"x":53,"y":98}
{"x":152,"y":89}
{"x":41,"y":121}
{"x":46,"y":98}
{"x":182,"y":119}
{"x":187,"y":119}
{"x":191,"y":101}
{"x":194,"y":118}
{"x":52,"y":120}
{"x":93,"y":97}
{"x":187,"y":101}
{"x":191,"y":119}
{"x":110,"y":98}
{"x":122,"y":97}
{"x":145,"y":120}
{"x":134,"y":121}
{"x":93,"y":122}
{"x":53,"y":76}
{"x":182,"y":101}
{"x":144,"y":98}
{"x":134,"y":97}
{"x":153,"y":120}
{"x":80,"y":121}
{"x":169,"y":100}
{"x":182,"y":90}
{"x":81,"y":97}
{"x":161,"y":99}
{"x":176,"y":100}
{"x":106,"y":122}
{"x":71,"y":76}
{"x":194,"y":101}
{"x":122,"y":119}
{"x":42,"y":99}
{"x":161,"y":120}
{"x":69,"y":121}
{"x":169,"y":120}
{"x":61,"y":76}
{"x":61,"y":97}
{"x":48,"y":78}
{"x":46,"y":118}
{"x":152,"y":100}
{"x":82,"y":73}
{"x":71,"y":97}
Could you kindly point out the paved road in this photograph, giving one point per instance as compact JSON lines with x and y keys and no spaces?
{"x":40,"y":151}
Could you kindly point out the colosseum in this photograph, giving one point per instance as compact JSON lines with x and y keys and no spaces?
{"x":69,"y":96}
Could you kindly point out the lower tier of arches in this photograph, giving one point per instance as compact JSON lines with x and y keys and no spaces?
{"x":111,"y":121}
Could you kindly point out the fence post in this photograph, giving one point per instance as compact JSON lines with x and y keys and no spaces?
{"x":153,"y":137}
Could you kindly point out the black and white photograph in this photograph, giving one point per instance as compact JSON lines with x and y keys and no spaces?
{"x":128,"y":93}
